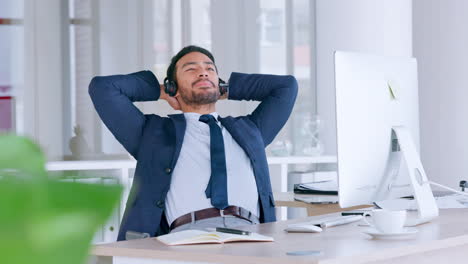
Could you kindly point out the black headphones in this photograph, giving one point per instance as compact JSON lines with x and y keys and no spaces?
{"x":170,"y":87}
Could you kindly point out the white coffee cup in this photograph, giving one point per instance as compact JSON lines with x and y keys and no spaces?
{"x":386,"y":221}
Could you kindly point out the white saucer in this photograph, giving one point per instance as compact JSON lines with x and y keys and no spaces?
{"x":405,"y":233}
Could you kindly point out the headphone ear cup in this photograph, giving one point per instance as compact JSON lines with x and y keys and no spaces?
{"x":223,"y":87}
{"x":170,"y":87}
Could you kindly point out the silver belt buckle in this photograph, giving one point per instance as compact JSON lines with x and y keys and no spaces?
{"x":221,"y":212}
{"x":192,"y":215}
{"x":245,"y":213}
{"x":241,"y":212}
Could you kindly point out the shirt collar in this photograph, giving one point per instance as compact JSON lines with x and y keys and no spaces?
{"x":196,"y":116}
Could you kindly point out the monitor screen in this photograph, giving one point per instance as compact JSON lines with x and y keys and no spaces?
{"x":373,"y":95}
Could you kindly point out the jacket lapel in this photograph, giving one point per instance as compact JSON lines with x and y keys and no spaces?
{"x":229,"y":124}
{"x":180,"y":125}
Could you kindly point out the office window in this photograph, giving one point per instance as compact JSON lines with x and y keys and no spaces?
{"x":83,"y":60}
{"x":11,"y":64}
{"x":272,"y":41}
{"x":266,"y":36}
{"x":286,"y":46}
{"x":162,"y":34}
{"x":176,"y":24}
{"x":201,"y":23}
{"x":120,"y":36}
{"x":302,"y":65}
{"x":272,"y":21}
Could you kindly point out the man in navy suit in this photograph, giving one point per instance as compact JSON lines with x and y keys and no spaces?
{"x":195,"y":169}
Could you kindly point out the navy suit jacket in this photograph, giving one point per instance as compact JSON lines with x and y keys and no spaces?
{"x":155,"y":141}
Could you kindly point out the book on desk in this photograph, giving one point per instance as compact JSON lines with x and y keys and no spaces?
{"x":329,"y":187}
{"x":189,"y":237}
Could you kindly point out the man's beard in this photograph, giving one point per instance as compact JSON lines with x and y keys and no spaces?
{"x":193,"y":97}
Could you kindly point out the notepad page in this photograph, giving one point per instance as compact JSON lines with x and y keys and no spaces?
{"x":252,"y":237}
{"x":198,"y":236}
{"x":188,"y":237}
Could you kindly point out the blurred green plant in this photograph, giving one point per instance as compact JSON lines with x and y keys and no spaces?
{"x":45,"y":220}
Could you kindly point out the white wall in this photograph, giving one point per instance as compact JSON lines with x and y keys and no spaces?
{"x":381,"y":27}
{"x":42,"y":96}
{"x":120,"y":38}
{"x":440,"y":45}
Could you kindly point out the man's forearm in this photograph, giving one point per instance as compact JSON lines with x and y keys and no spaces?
{"x":137,"y":87}
{"x":276,"y":93}
{"x":113,"y":98}
{"x":258,"y":87}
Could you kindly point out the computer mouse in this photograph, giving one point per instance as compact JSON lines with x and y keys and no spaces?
{"x":303,"y":228}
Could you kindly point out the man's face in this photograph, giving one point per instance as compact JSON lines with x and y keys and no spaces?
{"x":197,"y":79}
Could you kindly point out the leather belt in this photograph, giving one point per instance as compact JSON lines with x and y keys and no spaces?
{"x":213,"y":212}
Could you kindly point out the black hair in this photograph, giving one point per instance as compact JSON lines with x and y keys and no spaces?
{"x":171,"y":72}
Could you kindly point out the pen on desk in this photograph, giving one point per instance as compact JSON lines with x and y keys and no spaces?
{"x":341,"y":221}
{"x":357,"y":212}
{"x":232,"y":231}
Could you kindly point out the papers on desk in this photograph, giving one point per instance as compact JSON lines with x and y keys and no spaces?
{"x":443,"y":202}
{"x":318,"y":199}
{"x":320,"y":187}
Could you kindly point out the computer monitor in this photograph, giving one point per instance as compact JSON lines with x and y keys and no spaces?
{"x":377,"y":121}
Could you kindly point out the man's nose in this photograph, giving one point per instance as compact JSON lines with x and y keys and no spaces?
{"x":203,"y":73}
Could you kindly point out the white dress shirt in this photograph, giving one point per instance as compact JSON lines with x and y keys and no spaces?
{"x":193,"y":170}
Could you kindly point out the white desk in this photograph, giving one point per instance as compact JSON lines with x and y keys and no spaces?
{"x":444,"y":240}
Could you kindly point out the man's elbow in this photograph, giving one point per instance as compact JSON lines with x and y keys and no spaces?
{"x":291,"y":83}
{"x":96,"y":84}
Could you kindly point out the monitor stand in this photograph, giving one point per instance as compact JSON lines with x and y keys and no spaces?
{"x":425,"y":201}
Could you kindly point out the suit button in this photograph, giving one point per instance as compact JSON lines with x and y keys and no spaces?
{"x":160,"y":204}
{"x":168,"y":170}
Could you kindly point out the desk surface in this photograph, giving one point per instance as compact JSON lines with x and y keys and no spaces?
{"x":442,"y":240}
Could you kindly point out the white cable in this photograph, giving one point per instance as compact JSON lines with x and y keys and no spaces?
{"x":448,"y":188}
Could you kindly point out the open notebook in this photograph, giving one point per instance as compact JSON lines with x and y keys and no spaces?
{"x":188,"y":237}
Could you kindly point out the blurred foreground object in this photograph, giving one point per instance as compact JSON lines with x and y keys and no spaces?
{"x":45,"y":220}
